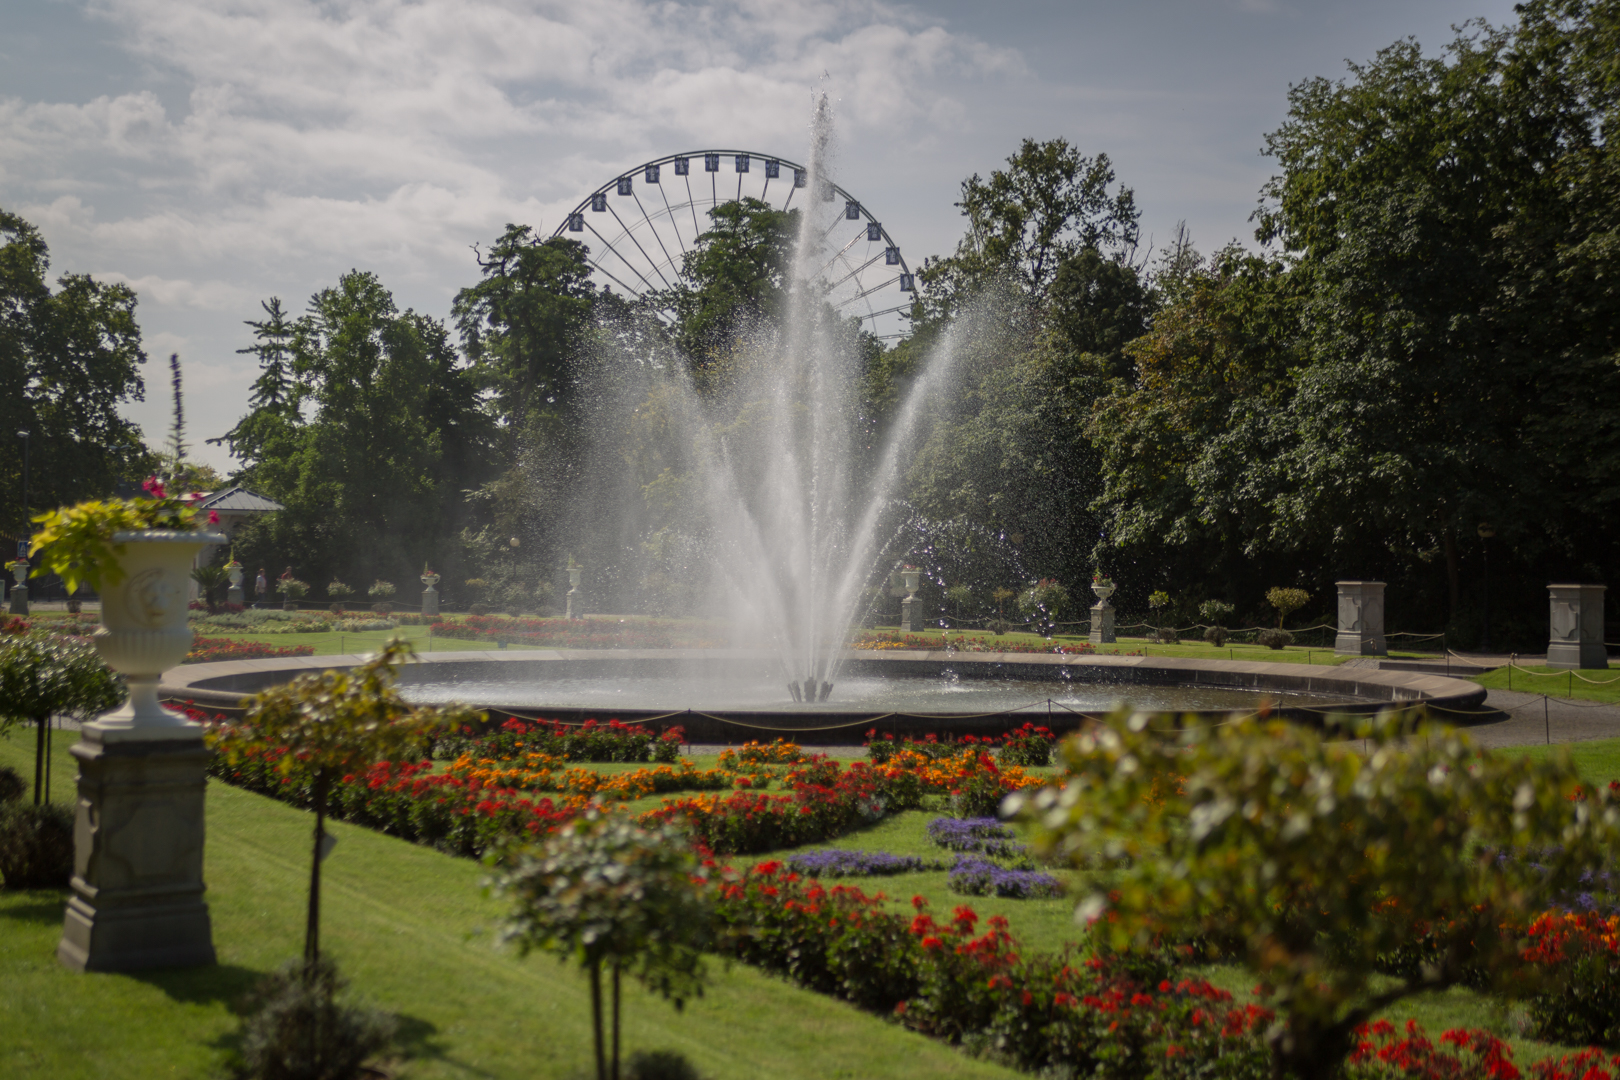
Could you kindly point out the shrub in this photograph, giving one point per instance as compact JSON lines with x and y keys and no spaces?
{"x":1215,"y":612}
{"x":1044,"y":602}
{"x":978,"y":795}
{"x":1168,"y":635}
{"x":292,"y":588}
{"x":36,"y":845}
{"x":297,"y":1029}
{"x":12,"y":785}
{"x":1030,"y":745}
{"x":659,"y":1065}
{"x":1274,"y":639}
{"x":1581,"y":999}
{"x":380,"y":589}
{"x":1217,"y":635}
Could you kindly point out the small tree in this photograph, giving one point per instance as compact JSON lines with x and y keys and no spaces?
{"x":209,"y":580}
{"x":961,"y":596}
{"x":1286,"y":601}
{"x":1215,"y":612}
{"x":605,"y":892}
{"x":42,"y":677}
{"x":334,"y":723}
{"x":1158,"y":600}
{"x":381,"y":590}
{"x":1312,"y":860}
{"x":1045,"y":602}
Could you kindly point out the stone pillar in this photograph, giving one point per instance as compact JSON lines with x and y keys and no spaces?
{"x":138,"y":854}
{"x":911,"y":617}
{"x":1576,"y":618}
{"x":19,"y":591}
{"x":1102,"y":623}
{"x":1361,"y":619}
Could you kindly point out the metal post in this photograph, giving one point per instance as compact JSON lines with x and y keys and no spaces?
{"x":1546,"y":720}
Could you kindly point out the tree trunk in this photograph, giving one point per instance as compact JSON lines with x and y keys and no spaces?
{"x":1449,"y":539}
{"x":615,"y":1020}
{"x":41,"y":766}
{"x":596,"y":1019}
{"x":312,"y":927}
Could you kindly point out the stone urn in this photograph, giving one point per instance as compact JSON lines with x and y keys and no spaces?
{"x":1103,"y":593}
{"x":430,"y":595}
{"x":233,"y":594}
{"x":910,"y":578}
{"x":144,"y":631}
{"x":1102,"y":616}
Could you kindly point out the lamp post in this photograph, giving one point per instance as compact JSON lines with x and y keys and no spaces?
{"x":1486,"y":530}
{"x":19,"y":592}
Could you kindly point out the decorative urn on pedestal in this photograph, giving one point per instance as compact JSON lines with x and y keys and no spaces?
{"x":910,"y":616}
{"x":137,"y":899}
{"x":430,"y":595}
{"x":19,"y":590}
{"x":575,"y":571}
{"x":233,"y":573}
{"x":1102,"y":612}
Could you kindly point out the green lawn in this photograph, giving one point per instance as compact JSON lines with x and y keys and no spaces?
{"x":335,"y":644}
{"x":1588,"y":685}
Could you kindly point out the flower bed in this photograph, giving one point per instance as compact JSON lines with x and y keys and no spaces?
{"x":537,"y":772}
{"x":1030,"y":745}
{"x":206,"y":650}
{"x":591,"y":741}
{"x":973,"y":876}
{"x":886,"y":640}
{"x":843,"y":862}
{"x":981,"y":836}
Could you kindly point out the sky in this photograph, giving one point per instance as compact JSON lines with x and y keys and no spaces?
{"x":214,"y":153}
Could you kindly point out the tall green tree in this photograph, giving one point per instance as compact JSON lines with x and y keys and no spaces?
{"x":69,"y":358}
{"x":369,"y":442}
{"x":735,"y":274}
{"x":1047,"y":206}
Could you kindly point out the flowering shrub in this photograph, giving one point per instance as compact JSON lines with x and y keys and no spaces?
{"x":1580,"y":952}
{"x":778,"y":752}
{"x":745,"y":823}
{"x":949,"y":980}
{"x":206,"y":650}
{"x":973,"y":876}
{"x":1030,"y":745}
{"x":1382,"y":1050}
{"x":538,"y":772}
{"x":1588,"y":1064}
{"x":841,"y":862}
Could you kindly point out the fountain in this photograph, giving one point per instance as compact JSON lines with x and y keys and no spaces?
{"x":776,"y":507}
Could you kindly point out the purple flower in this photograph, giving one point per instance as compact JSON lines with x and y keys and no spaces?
{"x":838,"y":862}
{"x":973,"y":876}
{"x":986,"y":836}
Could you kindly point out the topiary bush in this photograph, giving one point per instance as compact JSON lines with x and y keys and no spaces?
{"x":36,"y":845}
{"x":660,"y":1065}
{"x":1217,"y":635}
{"x":297,"y":1029}
{"x":1274,"y":639}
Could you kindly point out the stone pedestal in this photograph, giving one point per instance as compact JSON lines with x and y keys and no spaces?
{"x":574,"y":597}
{"x":233,"y":593}
{"x":138,"y":853}
{"x":1361,"y":619}
{"x":1102,"y":623}
{"x":430,"y":601}
{"x":1576,"y":619}
{"x":911,"y":616}
{"x":19,"y":600}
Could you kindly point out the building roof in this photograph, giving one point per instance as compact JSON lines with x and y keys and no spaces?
{"x":238,"y":500}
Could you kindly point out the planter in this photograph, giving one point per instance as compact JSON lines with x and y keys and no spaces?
{"x":1103,"y":593}
{"x":144,"y":629}
{"x":910,"y":579}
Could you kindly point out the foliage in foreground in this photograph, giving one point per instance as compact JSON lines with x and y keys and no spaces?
{"x":1310,"y":861}
{"x":606,"y":893}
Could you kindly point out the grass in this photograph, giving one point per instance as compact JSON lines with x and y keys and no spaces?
{"x":411,"y":928}
{"x":1597,"y":760}
{"x":1588,"y":685}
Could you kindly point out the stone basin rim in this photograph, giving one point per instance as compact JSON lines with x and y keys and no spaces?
{"x":224,"y":685}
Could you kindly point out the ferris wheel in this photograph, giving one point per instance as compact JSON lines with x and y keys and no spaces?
{"x":644,"y":221}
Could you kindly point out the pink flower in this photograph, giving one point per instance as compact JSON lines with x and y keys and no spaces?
{"x":213,"y":517}
{"x":153,"y":487}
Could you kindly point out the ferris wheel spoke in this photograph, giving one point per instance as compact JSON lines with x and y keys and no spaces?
{"x":671,"y":211}
{"x":839,"y":255}
{"x":639,"y":248}
{"x":692,"y":202}
{"x":627,"y":263}
{"x":654,"y":229}
{"x":857,"y":270}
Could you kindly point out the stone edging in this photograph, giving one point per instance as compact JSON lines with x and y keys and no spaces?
{"x":222,"y":686}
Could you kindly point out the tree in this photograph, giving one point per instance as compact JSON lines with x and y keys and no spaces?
{"x":1310,"y":859}
{"x":368,"y":440}
{"x":602,"y":891}
{"x":1286,"y":601}
{"x":735,"y":275}
{"x":330,"y":724}
{"x":42,"y":677}
{"x":1050,"y":204}
{"x":68,"y":360}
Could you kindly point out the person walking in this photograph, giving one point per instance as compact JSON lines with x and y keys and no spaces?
{"x":261,"y":588}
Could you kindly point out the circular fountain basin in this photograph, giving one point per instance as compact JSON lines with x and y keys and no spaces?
{"x":732,"y":695}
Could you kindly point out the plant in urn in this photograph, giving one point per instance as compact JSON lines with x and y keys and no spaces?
{"x":430,"y":595}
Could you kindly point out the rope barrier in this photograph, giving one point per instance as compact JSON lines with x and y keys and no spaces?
{"x":1513,"y":663}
